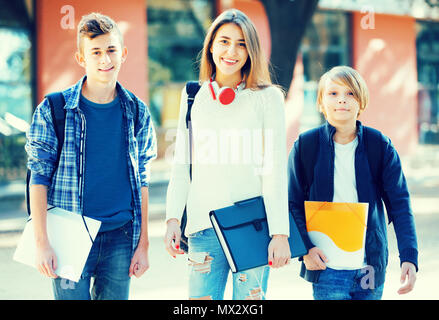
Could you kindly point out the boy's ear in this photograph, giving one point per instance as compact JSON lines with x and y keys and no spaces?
{"x":79,"y":57}
{"x":124,"y":53}
{"x":322,"y":110}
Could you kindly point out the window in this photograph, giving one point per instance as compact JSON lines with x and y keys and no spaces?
{"x":176,"y":31}
{"x":325,"y":45}
{"x":427,"y":47}
{"x":15,"y":90}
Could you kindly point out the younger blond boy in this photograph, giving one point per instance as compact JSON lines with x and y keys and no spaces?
{"x":343,"y":171}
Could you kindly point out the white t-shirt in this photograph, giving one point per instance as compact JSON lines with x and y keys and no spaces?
{"x":345,"y":185}
{"x":239,"y":152}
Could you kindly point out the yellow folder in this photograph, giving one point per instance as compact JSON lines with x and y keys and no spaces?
{"x":343,"y":223}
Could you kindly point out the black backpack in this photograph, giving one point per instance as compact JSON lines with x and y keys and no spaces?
{"x":57,"y":102}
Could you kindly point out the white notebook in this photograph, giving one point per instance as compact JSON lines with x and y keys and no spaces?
{"x":68,"y":237}
{"x":223,"y":243}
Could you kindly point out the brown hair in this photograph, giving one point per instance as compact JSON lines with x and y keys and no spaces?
{"x":96,"y":24}
{"x":255,"y":71}
{"x":349,"y":77}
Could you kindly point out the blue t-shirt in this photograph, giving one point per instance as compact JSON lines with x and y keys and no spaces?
{"x":107,"y":189}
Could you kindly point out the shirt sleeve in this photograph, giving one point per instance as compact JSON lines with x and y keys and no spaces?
{"x":41,"y":145}
{"x":397,"y":201}
{"x":179,"y":182}
{"x":274,"y":173}
{"x":39,"y":179}
{"x":146,"y":143}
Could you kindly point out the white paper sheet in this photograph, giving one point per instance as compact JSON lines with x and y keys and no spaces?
{"x":69,"y":239}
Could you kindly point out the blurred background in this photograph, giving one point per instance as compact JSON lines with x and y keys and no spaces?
{"x":394,"y":44}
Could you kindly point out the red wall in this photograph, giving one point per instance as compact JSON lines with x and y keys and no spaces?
{"x":386,"y":58}
{"x":56,"y":45}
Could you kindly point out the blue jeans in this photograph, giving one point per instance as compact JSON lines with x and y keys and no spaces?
{"x":209,"y":269}
{"x":108,"y":263}
{"x":347,"y":285}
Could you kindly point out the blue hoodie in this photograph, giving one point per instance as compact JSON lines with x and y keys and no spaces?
{"x":394,"y":189}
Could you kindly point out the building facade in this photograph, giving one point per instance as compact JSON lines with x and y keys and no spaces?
{"x":395,"y":48}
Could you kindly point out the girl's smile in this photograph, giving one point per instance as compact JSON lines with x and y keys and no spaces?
{"x":229,"y":62}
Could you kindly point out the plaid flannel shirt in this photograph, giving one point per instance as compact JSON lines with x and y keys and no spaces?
{"x":67,"y":180}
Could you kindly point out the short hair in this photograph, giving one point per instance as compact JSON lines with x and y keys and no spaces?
{"x":95,"y":24}
{"x":349,"y":77}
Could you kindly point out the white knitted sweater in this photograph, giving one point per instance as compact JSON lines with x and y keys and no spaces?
{"x":239,"y":152}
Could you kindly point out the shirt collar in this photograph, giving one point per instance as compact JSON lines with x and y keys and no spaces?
{"x":73,"y":100}
{"x":330,"y":131}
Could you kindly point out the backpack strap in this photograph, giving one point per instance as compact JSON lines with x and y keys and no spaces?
{"x":308,"y":150}
{"x":192,"y":88}
{"x":56,"y":102}
{"x":372,"y":138}
{"x":28,"y":175}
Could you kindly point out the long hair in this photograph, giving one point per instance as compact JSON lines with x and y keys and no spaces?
{"x":255,"y":71}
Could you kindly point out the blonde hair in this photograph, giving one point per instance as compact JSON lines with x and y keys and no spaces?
{"x":349,"y":77}
{"x":95,"y":24}
{"x":255,"y":71}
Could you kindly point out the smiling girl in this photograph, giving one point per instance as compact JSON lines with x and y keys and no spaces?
{"x":227,"y":128}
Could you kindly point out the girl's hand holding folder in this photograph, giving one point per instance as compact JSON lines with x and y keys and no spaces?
{"x":279,"y":253}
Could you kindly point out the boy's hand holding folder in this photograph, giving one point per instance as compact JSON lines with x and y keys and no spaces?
{"x":338,"y":230}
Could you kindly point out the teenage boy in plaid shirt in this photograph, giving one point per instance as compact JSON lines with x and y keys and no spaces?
{"x":103,"y":171}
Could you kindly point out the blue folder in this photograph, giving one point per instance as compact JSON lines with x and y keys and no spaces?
{"x":242,"y":231}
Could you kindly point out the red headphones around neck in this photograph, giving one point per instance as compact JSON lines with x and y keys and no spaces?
{"x":225,"y":95}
